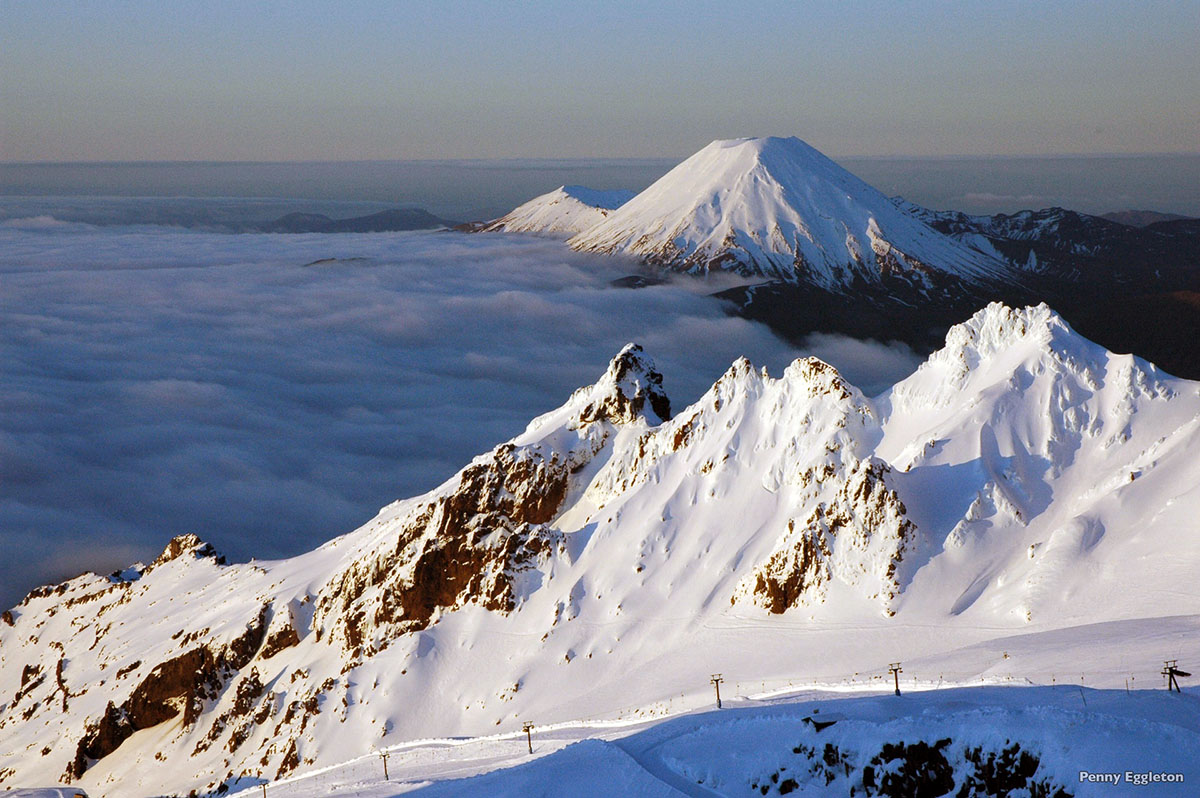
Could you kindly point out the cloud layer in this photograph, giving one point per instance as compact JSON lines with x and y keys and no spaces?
{"x":157,"y":381}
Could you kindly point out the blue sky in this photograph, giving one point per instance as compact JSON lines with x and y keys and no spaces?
{"x":364,"y":80}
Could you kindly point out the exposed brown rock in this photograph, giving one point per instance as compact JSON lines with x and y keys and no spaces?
{"x":277,"y":641}
{"x":863,"y":507}
{"x":187,"y":544}
{"x":28,"y":673}
{"x":62,"y":682}
{"x":181,"y":684}
{"x":291,"y":760}
{"x":618,"y":408}
{"x":462,"y":547}
{"x":128,"y":668}
{"x":781,"y":581}
{"x":171,"y":687}
{"x":43,"y":592}
{"x":684,"y":432}
{"x":101,"y":737}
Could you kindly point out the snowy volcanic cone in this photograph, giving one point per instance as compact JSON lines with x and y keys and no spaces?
{"x":777,"y":208}
{"x":561,"y":213}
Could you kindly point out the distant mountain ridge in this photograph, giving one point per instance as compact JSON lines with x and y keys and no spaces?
{"x":778,"y":210}
{"x":396,"y":219}
{"x":1141,"y":218}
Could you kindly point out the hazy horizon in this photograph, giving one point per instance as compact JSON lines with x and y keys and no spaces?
{"x":470,"y":189}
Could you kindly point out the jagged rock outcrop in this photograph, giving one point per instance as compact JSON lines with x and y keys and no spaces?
{"x":470,"y":542}
{"x":860,"y":535}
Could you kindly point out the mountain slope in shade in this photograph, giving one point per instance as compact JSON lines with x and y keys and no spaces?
{"x":615,"y":551}
{"x":1065,"y":252}
{"x":777,"y":208}
{"x":1141,"y":218}
{"x":562,"y":213}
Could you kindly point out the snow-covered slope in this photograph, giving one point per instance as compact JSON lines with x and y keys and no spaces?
{"x":614,"y":555}
{"x":973,"y":742}
{"x":1061,"y":471}
{"x":777,"y":208}
{"x":563,"y":212}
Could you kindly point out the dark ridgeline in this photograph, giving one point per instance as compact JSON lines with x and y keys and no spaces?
{"x":382,"y":222}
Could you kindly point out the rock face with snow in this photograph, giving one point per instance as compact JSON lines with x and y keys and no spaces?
{"x":471,"y":540}
{"x":1017,"y":480}
{"x":777,"y":208}
{"x":1069,"y":251}
{"x":561,"y":213}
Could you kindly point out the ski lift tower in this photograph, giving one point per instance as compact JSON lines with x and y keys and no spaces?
{"x":1172,"y":672}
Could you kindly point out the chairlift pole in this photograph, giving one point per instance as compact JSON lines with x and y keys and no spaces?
{"x":527,"y":727}
{"x":716,"y":682}
{"x":895,"y":669}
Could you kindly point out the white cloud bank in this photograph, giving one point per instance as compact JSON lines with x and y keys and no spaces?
{"x":156,"y":381}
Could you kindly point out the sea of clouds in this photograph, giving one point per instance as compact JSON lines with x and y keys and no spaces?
{"x":156,"y":381}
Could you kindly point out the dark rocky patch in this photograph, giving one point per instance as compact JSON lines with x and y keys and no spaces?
{"x":617,"y":408}
{"x":290,"y":761}
{"x":282,"y":638}
{"x":128,"y":668}
{"x":919,"y":770}
{"x":637,"y":281}
{"x":1005,"y":772}
{"x":864,"y":505}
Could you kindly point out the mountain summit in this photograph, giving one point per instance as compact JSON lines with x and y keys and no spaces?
{"x":778,"y":208}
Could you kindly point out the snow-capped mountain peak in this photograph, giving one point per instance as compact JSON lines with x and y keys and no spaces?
{"x":630,"y":387}
{"x":776,"y":207}
{"x":560,"y":213}
{"x":998,"y":331}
